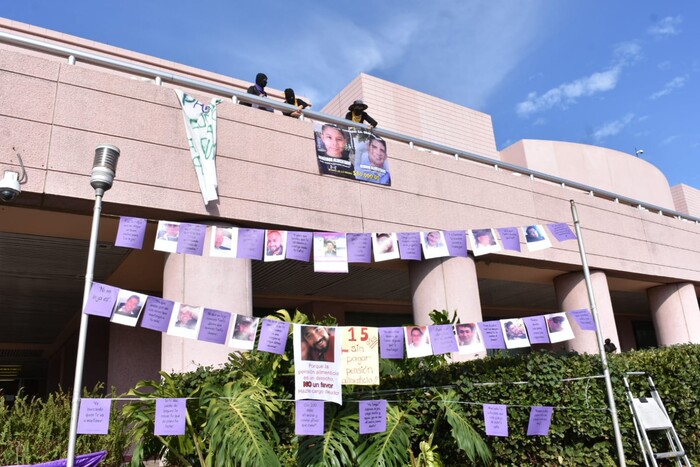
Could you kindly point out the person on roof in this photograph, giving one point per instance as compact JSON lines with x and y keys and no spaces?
{"x":358,"y":115}
{"x":258,"y":89}
{"x":291,"y":99}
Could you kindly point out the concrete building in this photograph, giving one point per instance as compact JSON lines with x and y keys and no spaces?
{"x":59,"y":100}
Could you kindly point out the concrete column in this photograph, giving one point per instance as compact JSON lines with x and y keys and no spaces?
{"x":219,"y":283}
{"x":572,"y":295}
{"x":675,"y":311}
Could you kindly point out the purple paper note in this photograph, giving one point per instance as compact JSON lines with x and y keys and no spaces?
{"x":510,"y":238}
{"x":101,"y":300}
{"x":409,"y":245}
{"x":191,"y":239}
{"x":156,"y":314}
{"x":496,"y":419}
{"x":540,"y":419}
{"x":93,"y":418}
{"x":443,"y":338}
{"x":309,"y":418}
{"x":372,"y":416}
{"x":493,"y":337}
{"x":456,"y":241}
{"x":561,"y":232}
{"x":299,"y":245}
{"x":131,"y":232}
{"x":583,"y":318}
{"x":170,"y":417}
{"x":273,"y":336}
{"x":536,"y":329}
{"x":250,"y":243}
{"x":214,"y":326}
{"x":391,"y":342}
{"x":359,"y":247}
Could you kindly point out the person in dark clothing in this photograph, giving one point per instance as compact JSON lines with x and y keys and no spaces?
{"x":291,"y":99}
{"x":258,"y":89}
{"x":609,"y":346}
{"x":358,"y":115}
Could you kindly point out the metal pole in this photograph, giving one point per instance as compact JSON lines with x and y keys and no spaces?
{"x":599,"y":336}
{"x":82,"y":337}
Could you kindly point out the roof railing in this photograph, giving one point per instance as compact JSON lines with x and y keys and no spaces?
{"x":159,"y":76}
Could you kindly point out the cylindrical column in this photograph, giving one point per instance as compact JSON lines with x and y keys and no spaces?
{"x":572,"y":295}
{"x":212,"y":282}
{"x":675,"y":311}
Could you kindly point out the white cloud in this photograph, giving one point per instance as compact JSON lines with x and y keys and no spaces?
{"x":665,"y":65}
{"x":667,"y":26}
{"x":568,"y":93}
{"x":612,"y":128}
{"x":669,"y":139}
{"x":676,"y":83}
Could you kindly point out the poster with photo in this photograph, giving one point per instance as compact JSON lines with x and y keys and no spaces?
{"x":469,"y":340}
{"x":185,"y":321}
{"x":275,"y":245}
{"x":433,"y":243}
{"x":317,"y":363}
{"x":385,"y":246}
{"x":483,"y":241}
{"x":371,"y":158}
{"x":417,"y":341}
{"x":224,"y":242}
{"x":128,"y":307}
{"x":167,"y":235}
{"x":243,"y":335}
{"x":335,"y":150}
{"x":536,"y":238}
{"x":514,"y":333}
{"x":558,"y":327}
{"x":330,"y":252}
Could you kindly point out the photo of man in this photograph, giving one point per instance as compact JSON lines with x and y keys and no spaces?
{"x":469,"y":338}
{"x":318,"y":343}
{"x":558,"y":327}
{"x":167,"y":236}
{"x":275,"y":241}
{"x":334,"y":151}
{"x":385,"y":246}
{"x":185,"y":320}
{"x":373,"y":166}
{"x":244,"y":330}
{"x":417,"y":341}
{"x":224,"y":241}
{"x":433,"y":243}
{"x":483,"y":241}
{"x":514,"y":333}
{"x":128,"y":307}
{"x":536,"y":238}
{"x":330,"y":252}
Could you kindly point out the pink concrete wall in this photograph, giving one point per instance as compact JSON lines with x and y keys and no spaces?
{"x":686,"y":199}
{"x":606,"y":169}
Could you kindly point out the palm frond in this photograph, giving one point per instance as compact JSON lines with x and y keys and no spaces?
{"x":390,"y":448}
{"x":336,"y":448}
{"x":468,"y":440}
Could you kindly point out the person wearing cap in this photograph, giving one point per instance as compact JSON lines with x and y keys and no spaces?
{"x":244,"y":328}
{"x":291,"y":99}
{"x":357,"y":114}
{"x":258,"y":89}
{"x":555,"y":323}
{"x":373,"y":167}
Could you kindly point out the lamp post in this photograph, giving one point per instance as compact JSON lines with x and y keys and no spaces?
{"x":103,"y":170}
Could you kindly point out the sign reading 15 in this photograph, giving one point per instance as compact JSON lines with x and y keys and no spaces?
{"x":363,"y":334}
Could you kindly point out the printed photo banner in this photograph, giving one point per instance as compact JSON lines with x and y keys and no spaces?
{"x":351,"y":153}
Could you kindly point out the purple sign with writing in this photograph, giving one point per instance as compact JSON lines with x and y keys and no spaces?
{"x":536,"y":329}
{"x":299,"y":245}
{"x":409,"y":245}
{"x":250,"y":243}
{"x":372,"y":416}
{"x":443,"y":338}
{"x":156,"y":314}
{"x":170,"y":417}
{"x":131,"y":232}
{"x":456,"y":241}
{"x":101,"y":300}
{"x":214,"y":326}
{"x":496,"y":419}
{"x":510,"y":238}
{"x":93,"y":418}
{"x":540,"y":419}
{"x":273,"y":336}
{"x":391,"y":342}
{"x":561,"y":232}
{"x":359,"y":247}
{"x":191,"y":239}
{"x":493,"y":337}
{"x":583,"y":318}
{"x":309,"y":418}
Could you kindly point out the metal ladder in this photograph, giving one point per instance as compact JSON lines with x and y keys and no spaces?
{"x":649,"y":414}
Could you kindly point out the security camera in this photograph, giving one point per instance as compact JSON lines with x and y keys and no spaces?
{"x":9,"y":186}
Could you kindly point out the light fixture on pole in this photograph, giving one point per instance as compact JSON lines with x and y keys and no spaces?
{"x":103,"y":170}
{"x":638,"y":152}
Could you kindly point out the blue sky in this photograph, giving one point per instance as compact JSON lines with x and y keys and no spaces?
{"x":623,"y":75}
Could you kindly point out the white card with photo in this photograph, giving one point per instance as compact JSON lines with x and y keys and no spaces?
{"x":417,"y":341}
{"x":244,"y":329}
{"x":128,"y":307}
{"x":275,"y":245}
{"x":514,"y":333}
{"x":558,"y":327}
{"x":330,"y":252}
{"x":483,"y":241}
{"x":167,"y":236}
{"x":536,"y":238}
{"x":385,"y":246}
{"x":224,"y":242}
{"x":434,"y":245}
{"x":469,"y":340}
{"x":185,"y":321}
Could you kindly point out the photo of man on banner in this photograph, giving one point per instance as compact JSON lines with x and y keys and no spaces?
{"x":371,"y":163}
{"x":334,"y":150}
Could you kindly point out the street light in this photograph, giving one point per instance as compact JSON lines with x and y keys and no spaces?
{"x":103,"y":170}
{"x":638,"y":152}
